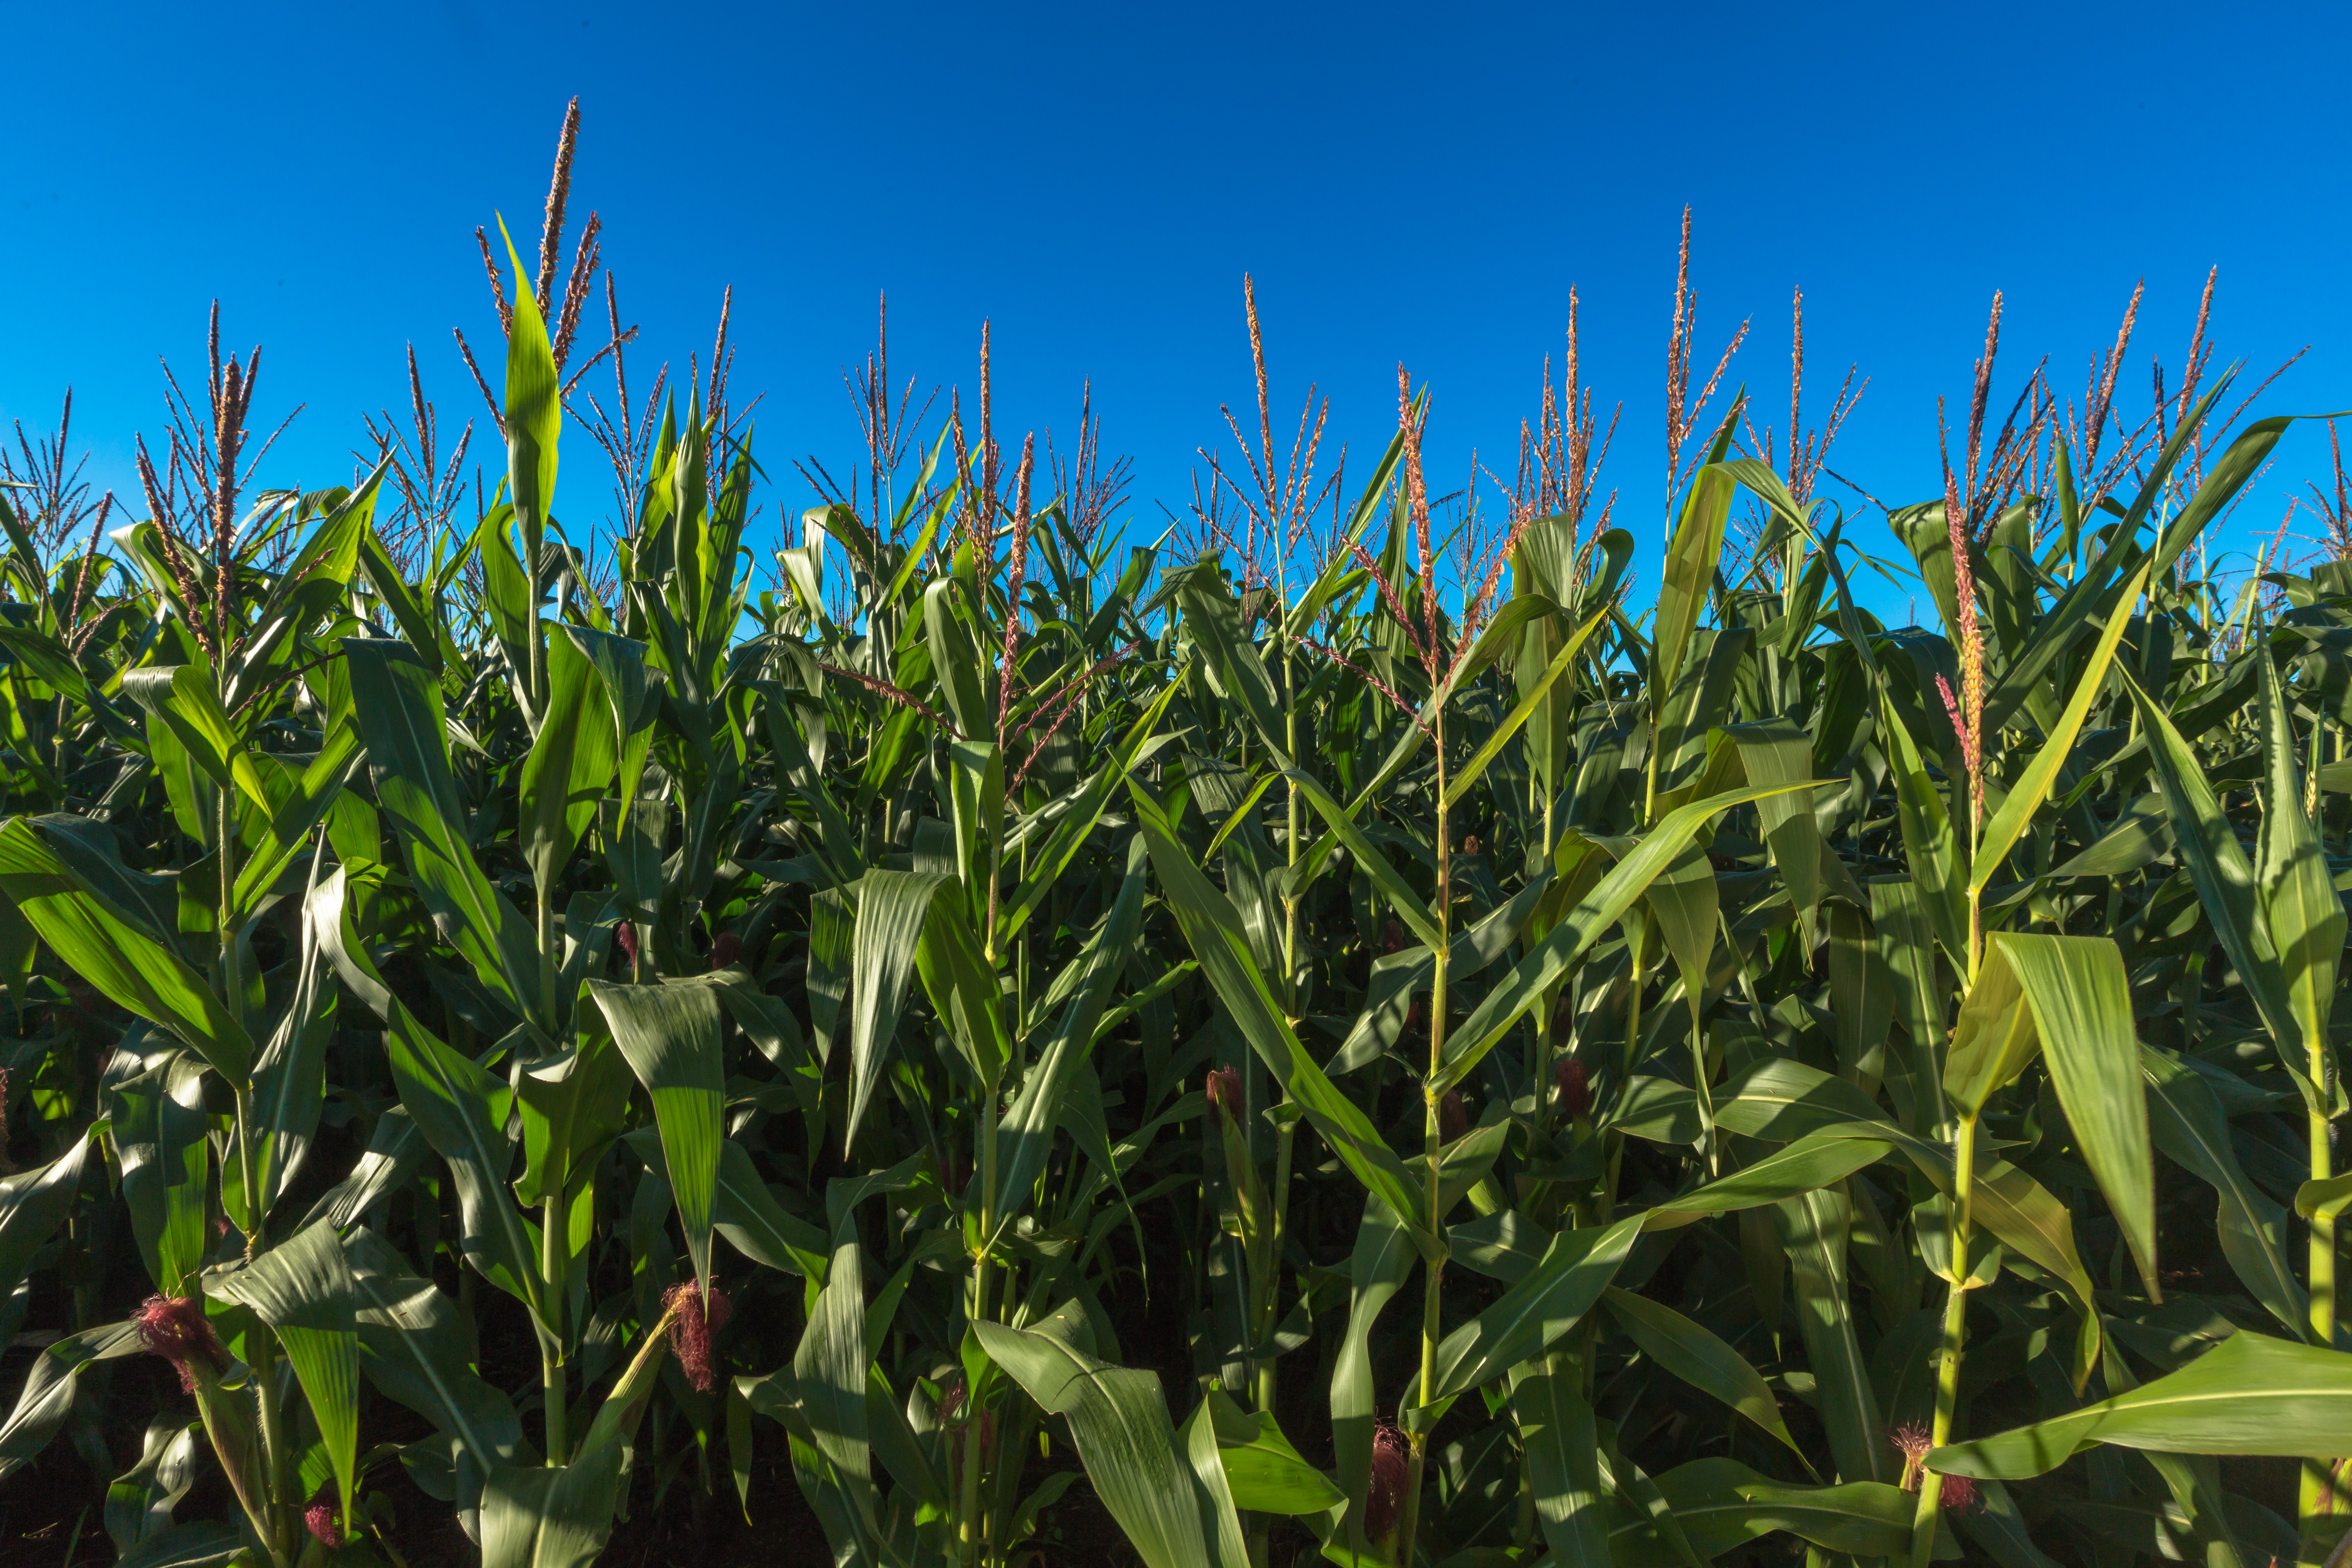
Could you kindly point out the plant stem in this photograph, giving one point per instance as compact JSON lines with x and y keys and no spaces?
{"x":1433,"y":1148}
{"x":547,"y":962}
{"x":555,"y":1258}
{"x":968,"y":1532}
{"x":2316,"y":1502}
{"x":1956,"y":1330}
{"x":275,"y":1455}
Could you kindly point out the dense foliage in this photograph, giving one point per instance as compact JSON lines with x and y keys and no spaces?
{"x":1354,"y":1035}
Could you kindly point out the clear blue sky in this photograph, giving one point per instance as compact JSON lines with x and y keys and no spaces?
{"x":1419,"y":183}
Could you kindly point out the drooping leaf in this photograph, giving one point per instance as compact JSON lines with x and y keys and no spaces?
{"x":1119,"y":1419}
{"x":462,"y":1111}
{"x":159,"y":1133}
{"x":2250,"y":1394}
{"x":106,"y":948}
{"x":398,"y":703}
{"x":302,"y":1289}
{"x":670,"y":1035}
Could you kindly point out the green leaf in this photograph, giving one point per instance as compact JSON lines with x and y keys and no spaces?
{"x":1212,"y":618}
{"x":1197,"y":1438}
{"x":416,"y":1349}
{"x":2032,"y":786}
{"x":1530,"y":699}
{"x":892,"y":910}
{"x":955,"y":659}
{"x":571,"y":761}
{"x":1119,"y":1419}
{"x":139,"y":1502}
{"x":2068,"y":997}
{"x":1578,"y":929}
{"x":410,"y":614}
{"x":1213,"y":929}
{"x":289,"y":1087}
{"x":2299,"y":900}
{"x":571,"y":1108}
{"x":2021,"y":1212}
{"x":1815,"y":1160}
{"x":551,"y":1517}
{"x":1721,"y":1504}
{"x":1930,"y":843}
{"x":1379,"y":1266}
{"x":1025,"y":1135}
{"x":671,"y":1035}
{"x":2186,"y":1123}
{"x":1688,"y":575}
{"x":829,"y":1369}
{"x":1813,"y":1229}
{"x":1862,"y":996}
{"x":398,"y":703}
{"x":182,"y":697}
{"x":1558,"y":1436}
{"x":303,"y":803}
{"x":33,"y":1203}
{"x":1073,"y":826}
{"x":2225,"y":884}
{"x":1906,"y":941}
{"x":302,"y":1289}
{"x":1375,"y":865}
{"x":2250,"y":1394}
{"x":534,"y":412}
{"x":462,"y":1111}
{"x":1783,"y":1099}
{"x":47,"y":1395}
{"x":106,"y":947}
{"x":1536,"y":1312}
{"x":1690,"y":1352}
{"x":160,"y":1134}
{"x":1776,"y":750}
{"x":759,"y":1228}
{"x":1263,"y":1471}
{"x":186,"y":1546}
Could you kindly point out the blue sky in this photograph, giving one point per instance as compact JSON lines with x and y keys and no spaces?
{"x":1418,"y":183}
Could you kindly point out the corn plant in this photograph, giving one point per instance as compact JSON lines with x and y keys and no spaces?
{"x":947,"y":1033}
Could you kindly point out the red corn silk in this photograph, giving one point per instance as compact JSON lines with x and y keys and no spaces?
{"x":1453,"y":1120}
{"x":726,"y":949}
{"x":627,"y":939}
{"x":175,"y":1328}
{"x":1911,"y":1441}
{"x":692,"y":1322}
{"x":320,"y":1521}
{"x":1575,"y":1094}
{"x":1225,"y":1092}
{"x":1390,"y":1467}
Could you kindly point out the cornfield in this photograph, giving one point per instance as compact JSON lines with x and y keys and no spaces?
{"x":1379,"y":1027}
